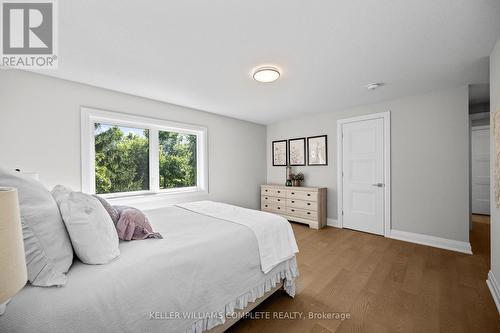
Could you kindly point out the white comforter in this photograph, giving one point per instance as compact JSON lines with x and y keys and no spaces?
{"x":203,"y":265}
{"x":273,"y":232}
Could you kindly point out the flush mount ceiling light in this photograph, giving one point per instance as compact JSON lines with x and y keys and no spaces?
{"x":266,"y":74}
{"x":373,"y":86}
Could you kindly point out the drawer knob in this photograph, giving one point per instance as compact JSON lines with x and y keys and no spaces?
{"x":266,"y":205}
{"x":279,"y":199}
{"x":266,"y":190}
{"x":293,"y":192}
{"x":308,"y":194}
{"x":279,"y":207}
{"x":293,"y":201}
{"x":308,"y":213}
{"x":293,"y":210}
{"x":279,"y":191}
{"x":266,"y":198}
{"x":309,"y":204}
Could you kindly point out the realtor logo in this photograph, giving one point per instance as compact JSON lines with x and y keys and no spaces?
{"x":28,"y":34}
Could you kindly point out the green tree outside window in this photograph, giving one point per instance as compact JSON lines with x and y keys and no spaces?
{"x":122,"y":159}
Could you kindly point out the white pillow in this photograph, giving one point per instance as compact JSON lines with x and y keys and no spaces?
{"x":90,"y":227}
{"x":47,"y":245}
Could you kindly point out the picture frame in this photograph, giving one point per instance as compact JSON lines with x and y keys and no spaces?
{"x":317,"y":150}
{"x":297,"y":151}
{"x":279,"y":152}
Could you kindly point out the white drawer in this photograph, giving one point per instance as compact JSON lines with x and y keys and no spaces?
{"x":273,"y":192}
{"x":302,"y":204}
{"x":275,"y":208}
{"x":273,"y":200}
{"x":302,"y":195}
{"x":302,"y":213}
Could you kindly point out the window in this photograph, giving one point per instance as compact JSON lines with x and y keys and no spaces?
{"x":177,"y":159}
{"x":125,"y":155}
{"x":121,"y":159}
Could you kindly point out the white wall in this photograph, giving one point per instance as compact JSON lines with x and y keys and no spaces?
{"x":40,"y":132}
{"x":494,"y":278}
{"x":430,"y":189}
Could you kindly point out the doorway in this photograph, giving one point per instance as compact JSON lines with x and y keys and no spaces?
{"x":479,"y":174}
{"x":480,"y":170}
{"x":479,"y":134}
{"x":363,"y":173}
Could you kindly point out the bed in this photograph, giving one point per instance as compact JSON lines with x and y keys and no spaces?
{"x":204,"y":268}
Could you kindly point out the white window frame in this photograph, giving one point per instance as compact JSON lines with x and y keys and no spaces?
{"x":90,"y":116}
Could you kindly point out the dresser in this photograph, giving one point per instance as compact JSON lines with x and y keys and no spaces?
{"x":299,"y":204}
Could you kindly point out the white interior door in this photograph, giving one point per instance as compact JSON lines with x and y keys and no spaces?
{"x":480,"y":153}
{"x":363,"y":175}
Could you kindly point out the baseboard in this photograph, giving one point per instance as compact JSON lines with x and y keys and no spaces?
{"x":332,"y":223}
{"x":494,"y":289}
{"x":442,"y":243}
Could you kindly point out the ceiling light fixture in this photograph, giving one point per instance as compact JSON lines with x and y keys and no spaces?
{"x":266,"y":74}
{"x":373,"y":86}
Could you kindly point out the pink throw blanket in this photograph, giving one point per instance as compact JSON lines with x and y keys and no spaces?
{"x":133,"y":224}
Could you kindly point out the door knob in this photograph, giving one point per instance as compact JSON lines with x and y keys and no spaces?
{"x":379,"y":184}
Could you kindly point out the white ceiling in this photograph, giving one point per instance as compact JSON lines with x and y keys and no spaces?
{"x":200,"y":53}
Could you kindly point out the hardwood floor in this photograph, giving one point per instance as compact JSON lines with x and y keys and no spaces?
{"x":481,"y":218}
{"x":385,"y":285}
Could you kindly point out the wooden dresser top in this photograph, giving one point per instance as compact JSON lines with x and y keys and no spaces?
{"x":297,"y":188}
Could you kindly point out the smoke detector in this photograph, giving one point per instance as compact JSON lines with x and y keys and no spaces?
{"x":373,"y":86}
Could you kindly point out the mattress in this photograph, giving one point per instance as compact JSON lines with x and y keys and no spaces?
{"x":203,"y":268}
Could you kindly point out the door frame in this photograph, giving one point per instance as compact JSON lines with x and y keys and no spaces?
{"x":386,"y":116}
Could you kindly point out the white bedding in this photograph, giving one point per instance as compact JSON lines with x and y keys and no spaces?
{"x":274,"y":234}
{"x":203,"y":265}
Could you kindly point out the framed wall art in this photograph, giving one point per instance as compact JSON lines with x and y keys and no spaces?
{"x":317,"y":150}
{"x":279,"y":152}
{"x":297,"y":151}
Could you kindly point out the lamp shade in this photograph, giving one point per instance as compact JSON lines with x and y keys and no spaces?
{"x":13,"y":275}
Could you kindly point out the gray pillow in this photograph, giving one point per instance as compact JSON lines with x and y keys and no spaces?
{"x":113,"y":213}
{"x":47,"y":246}
{"x":90,"y":227}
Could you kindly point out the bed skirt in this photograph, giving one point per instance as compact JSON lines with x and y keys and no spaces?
{"x":286,"y":275}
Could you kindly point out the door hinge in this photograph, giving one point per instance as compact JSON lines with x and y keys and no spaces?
{"x":342,"y":212}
